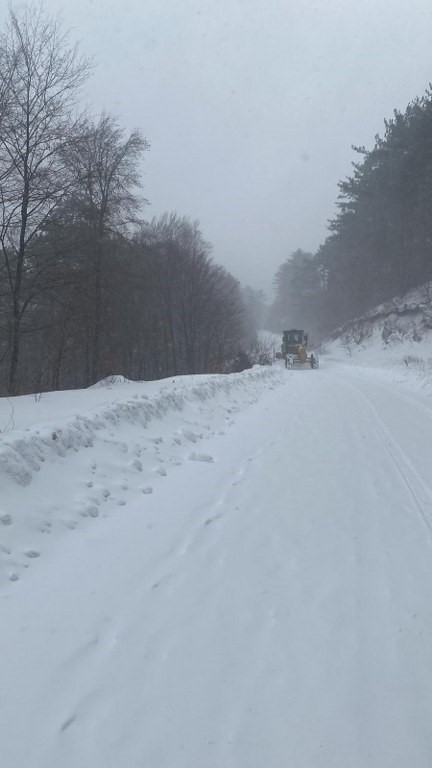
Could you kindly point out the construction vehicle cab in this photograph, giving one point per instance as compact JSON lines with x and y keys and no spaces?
{"x":294,"y":349}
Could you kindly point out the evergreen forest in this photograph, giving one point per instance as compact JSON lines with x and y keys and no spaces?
{"x":379,"y":244}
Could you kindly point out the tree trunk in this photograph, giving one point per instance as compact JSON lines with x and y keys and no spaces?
{"x":15,"y":345}
{"x":95,"y":364}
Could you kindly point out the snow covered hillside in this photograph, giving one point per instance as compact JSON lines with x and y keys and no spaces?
{"x":396,"y":336}
{"x":214,"y":571}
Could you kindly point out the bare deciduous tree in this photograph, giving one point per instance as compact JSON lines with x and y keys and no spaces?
{"x":40,"y":79}
{"x":197,"y":304}
{"x":106,"y":169}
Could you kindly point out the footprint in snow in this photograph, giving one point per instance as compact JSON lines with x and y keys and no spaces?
{"x":45,"y":526}
{"x":89,"y":510}
{"x":6,"y":519}
{"x":189,"y":435}
{"x":201,"y":457}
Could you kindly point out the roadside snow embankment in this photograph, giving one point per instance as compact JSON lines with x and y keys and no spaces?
{"x":80,"y":454}
{"x":394,"y":339}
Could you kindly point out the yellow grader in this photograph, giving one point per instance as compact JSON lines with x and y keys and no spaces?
{"x":294,"y":350}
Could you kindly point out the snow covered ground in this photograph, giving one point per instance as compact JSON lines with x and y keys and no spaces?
{"x":219,"y":571}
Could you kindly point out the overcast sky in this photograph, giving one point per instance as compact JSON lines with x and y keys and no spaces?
{"x":251,"y":106}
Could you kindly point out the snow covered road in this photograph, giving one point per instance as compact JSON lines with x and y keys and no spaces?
{"x":267,"y":605}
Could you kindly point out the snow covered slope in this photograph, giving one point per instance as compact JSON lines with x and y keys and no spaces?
{"x":234,"y":571}
{"x":395,"y":336}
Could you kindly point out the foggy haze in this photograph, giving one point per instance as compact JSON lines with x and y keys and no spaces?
{"x":251,"y":108}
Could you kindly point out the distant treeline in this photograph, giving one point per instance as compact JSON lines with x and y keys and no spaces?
{"x":87,"y":288}
{"x":380,"y":242}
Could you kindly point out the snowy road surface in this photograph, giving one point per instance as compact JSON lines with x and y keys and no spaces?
{"x":267,"y":605}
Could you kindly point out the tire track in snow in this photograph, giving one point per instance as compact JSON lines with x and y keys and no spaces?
{"x":419,"y":491}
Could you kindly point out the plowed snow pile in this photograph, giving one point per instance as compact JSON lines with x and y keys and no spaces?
{"x":65,"y":456}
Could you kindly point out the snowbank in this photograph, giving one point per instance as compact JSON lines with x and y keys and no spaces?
{"x":394,"y":339}
{"x":66,"y":456}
